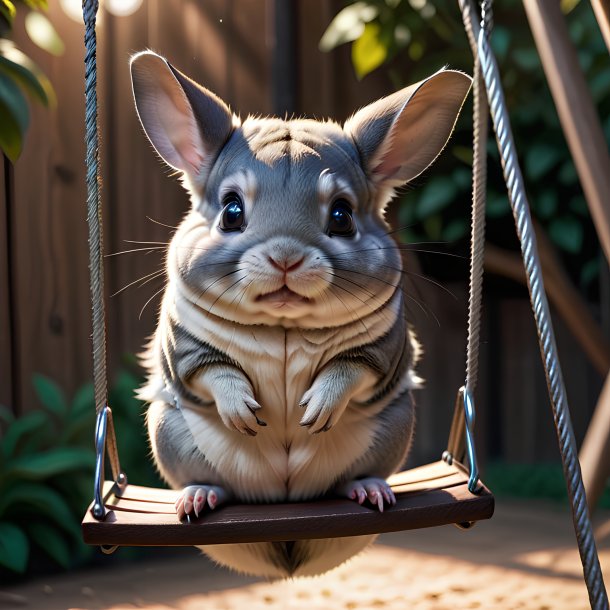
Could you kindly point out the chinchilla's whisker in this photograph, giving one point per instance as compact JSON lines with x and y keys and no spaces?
{"x":401,"y":247}
{"x":426,"y":311}
{"x":148,"y":250}
{"x":218,"y":279}
{"x":379,"y":311}
{"x":205,"y":264}
{"x":225,"y":292}
{"x":200,"y":249}
{"x":149,"y":300}
{"x":407,"y":248}
{"x":429,"y":279}
{"x":153,"y":243}
{"x":237,"y":304}
{"x":350,"y":311}
{"x":161,"y":224}
{"x":404,"y":272}
{"x":399,"y":229}
{"x":144,"y":279}
{"x":370,"y":276}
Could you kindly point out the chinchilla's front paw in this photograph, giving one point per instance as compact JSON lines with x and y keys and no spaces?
{"x":237,"y":407}
{"x":323,"y":406}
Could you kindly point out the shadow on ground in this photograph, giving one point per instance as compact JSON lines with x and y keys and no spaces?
{"x":524,"y":558}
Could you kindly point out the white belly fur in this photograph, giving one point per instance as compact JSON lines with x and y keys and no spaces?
{"x":284,"y":461}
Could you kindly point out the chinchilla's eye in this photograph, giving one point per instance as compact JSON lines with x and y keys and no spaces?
{"x":232,"y":217}
{"x":341,"y":221}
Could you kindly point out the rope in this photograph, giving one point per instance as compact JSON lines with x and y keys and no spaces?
{"x":557,"y":393}
{"x":477,"y":238}
{"x":94,"y":209}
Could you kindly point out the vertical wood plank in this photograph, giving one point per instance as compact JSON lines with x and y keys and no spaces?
{"x":6,"y":332}
{"x":50,"y":271}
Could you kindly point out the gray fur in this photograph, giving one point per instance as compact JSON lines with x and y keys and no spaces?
{"x":282,"y":365}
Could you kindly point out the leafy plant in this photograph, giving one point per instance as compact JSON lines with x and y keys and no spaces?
{"x":542,"y":480}
{"x":47,"y":460}
{"x":411,"y":39}
{"x":20,"y":75}
{"x":44,"y":467}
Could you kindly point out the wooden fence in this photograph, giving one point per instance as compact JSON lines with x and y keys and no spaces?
{"x":227,"y":45}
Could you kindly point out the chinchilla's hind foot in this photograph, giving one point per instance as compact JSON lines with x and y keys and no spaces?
{"x":195,"y":499}
{"x":375,"y":490}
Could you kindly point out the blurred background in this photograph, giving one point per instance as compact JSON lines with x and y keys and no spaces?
{"x":317,"y":58}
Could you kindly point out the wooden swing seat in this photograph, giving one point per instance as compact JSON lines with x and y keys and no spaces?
{"x":430,"y":495}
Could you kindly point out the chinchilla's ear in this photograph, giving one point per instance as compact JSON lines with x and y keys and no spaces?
{"x":399,"y":136}
{"x":186,"y":123}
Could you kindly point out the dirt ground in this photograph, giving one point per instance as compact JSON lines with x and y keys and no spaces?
{"x":525,"y":558}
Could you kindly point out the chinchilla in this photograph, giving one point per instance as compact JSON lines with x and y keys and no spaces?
{"x":282,"y":365}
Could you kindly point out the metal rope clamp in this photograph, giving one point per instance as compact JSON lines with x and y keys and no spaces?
{"x":461,"y":438}
{"x":104,"y":424}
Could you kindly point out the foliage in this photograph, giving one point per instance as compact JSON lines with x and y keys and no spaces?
{"x":544,"y":481}
{"x":412,"y":39}
{"x":46,"y":469}
{"x":19,"y":75}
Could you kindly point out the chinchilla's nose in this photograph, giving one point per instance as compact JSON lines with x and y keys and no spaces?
{"x":286,"y":263}
{"x":285,"y":255}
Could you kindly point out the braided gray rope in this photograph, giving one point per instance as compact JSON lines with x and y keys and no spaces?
{"x":477,"y":239}
{"x":516,"y":190}
{"x":94,"y":209}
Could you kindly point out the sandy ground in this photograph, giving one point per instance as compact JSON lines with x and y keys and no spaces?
{"x":525,"y":558}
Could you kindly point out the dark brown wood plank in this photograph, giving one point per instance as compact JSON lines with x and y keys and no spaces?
{"x":428,"y":502}
{"x":323,"y":519}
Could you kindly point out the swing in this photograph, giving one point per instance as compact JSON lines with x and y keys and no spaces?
{"x":443,"y":492}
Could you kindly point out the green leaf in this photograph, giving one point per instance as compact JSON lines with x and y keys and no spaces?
{"x":83,"y":401}
{"x":589,"y":272}
{"x":348,"y":25}
{"x":84,"y":422}
{"x":368,"y":51}
{"x":579,"y":205}
{"x":539,"y":159}
{"x":599,"y":86}
{"x":8,"y":11}
{"x":457,"y":229}
{"x":42,"y":5}
{"x":462,"y":178}
{"x":416,"y":50}
{"x":567,"y":173}
{"x":567,"y":233}
{"x":27,"y":73}
{"x":25,"y":425}
{"x":25,"y":78}
{"x":497,"y":205}
{"x":433,"y":225}
{"x":50,"y":541}
{"x":6,"y":415}
{"x":51,"y":463}
{"x":526,"y":58}
{"x":14,"y":548}
{"x":435,"y":196}
{"x":43,"y":34}
{"x":23,"y":498}
{"x":50,"y":395}
{"x":463,"y":153}
{"x":14,"y":118}
{"x":500,"y":41}
{"x":545,"y":204}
